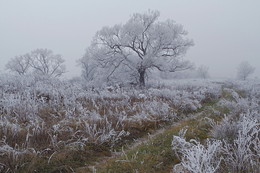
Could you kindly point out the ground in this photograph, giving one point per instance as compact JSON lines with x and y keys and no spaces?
{"x":62,"y":126}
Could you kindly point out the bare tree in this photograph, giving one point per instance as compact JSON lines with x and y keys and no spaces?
{"x":142,"y":43}
{"x":244,"y":70}
{"x":203,"y":72}
{"x":88,"y":68}
{"x":19,"y":64}
{"x":39,"y":61}
{"x":44,"y":62}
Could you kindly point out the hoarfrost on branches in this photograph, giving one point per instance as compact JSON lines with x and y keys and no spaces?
{"x":131,"y":50}
{"x":197,"y":158}
{"x":42,"y":62}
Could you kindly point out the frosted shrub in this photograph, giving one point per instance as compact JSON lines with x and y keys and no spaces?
{"x":237,"y":148}
{"x":104,"y":134}
{"x":227,"y":129}
{"x":243,"y":154}
{"x":196,"y":157}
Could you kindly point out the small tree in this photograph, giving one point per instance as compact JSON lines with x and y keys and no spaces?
{"x":203,"y":72}
{"x":88,"y":68}
{"x":40,"y":61}
{"x":141,"y":44}
{"x":244,"y":70}
{"x":19,"y":65}
{"x":44,"y":62}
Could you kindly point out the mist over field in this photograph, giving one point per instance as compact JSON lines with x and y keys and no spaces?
{"x":128,"y":86}
{"x":225,"y":33}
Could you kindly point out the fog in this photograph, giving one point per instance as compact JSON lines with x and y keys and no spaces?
{"x":225,"y":32}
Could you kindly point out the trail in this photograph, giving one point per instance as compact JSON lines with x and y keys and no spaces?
{"x":143,"y":140}
{"x":140,"y":141}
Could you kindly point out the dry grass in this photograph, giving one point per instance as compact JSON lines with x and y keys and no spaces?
{"x":56,"y":130}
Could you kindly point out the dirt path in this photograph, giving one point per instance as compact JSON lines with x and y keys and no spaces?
{"x":138,"y":142}
{"x":131,"y":146}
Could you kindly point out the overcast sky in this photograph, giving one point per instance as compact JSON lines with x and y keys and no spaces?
{"x":225,"y":32}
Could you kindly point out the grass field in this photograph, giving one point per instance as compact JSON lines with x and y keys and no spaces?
{"x":62,"y":126}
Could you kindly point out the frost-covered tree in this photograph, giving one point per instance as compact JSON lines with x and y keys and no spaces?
{"x":19,"y":65}
{"x":203,"y":72}
{"x":88,"y":68}
{"x":244,"y":70}
{"x":42,"y":62}
{"x":45,"y":62}
{"x":141,"y":44}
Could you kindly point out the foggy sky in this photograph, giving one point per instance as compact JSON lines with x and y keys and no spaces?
{"x":225,"y":32}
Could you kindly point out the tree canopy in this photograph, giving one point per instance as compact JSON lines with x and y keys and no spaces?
{"x":141,"y":44}
{"x":42,"y":62}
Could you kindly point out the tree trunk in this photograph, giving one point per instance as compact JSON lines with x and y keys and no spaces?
{"x":141,"y":77}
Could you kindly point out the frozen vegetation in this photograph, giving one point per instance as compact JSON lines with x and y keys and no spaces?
{"x":233,"y":145}
{"x":43,"y":117}
{"x":126,"y":92}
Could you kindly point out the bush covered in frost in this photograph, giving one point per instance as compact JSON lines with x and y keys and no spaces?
{"x":234,"y":146}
